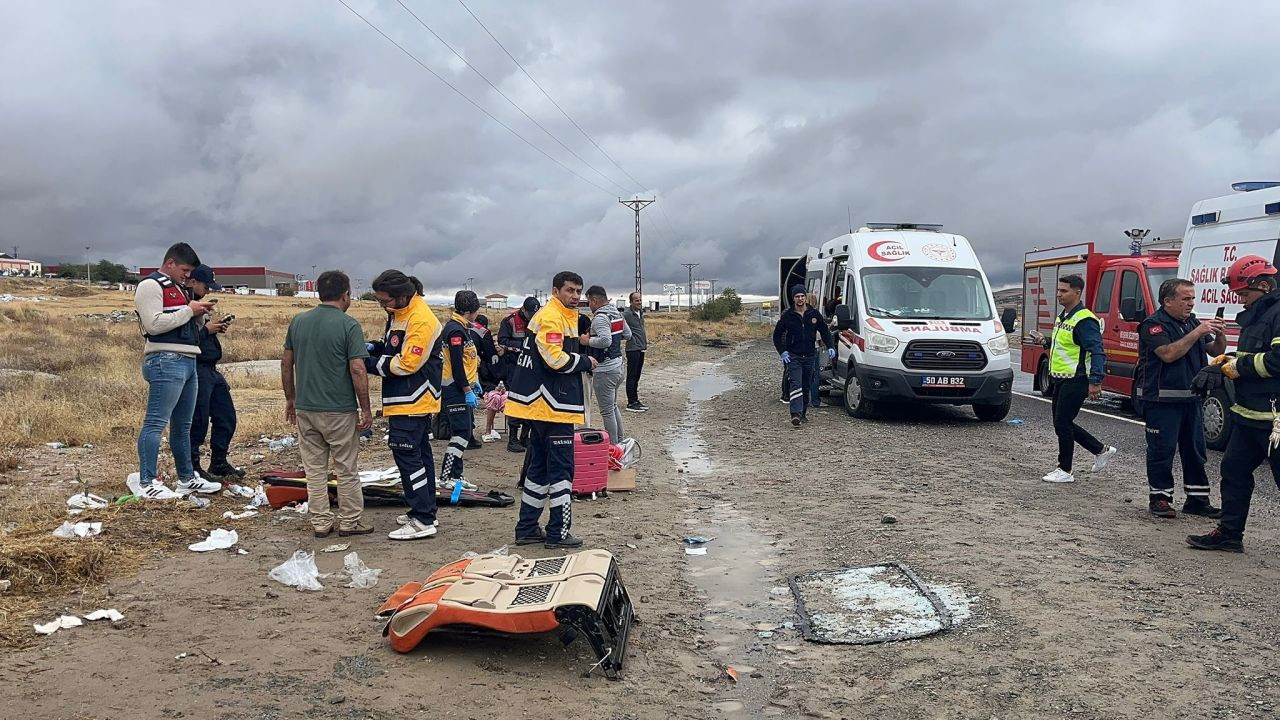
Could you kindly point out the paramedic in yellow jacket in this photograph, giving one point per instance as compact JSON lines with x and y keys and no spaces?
{"x":460,"y":383}
{"x":546,"y":391}
{"x":408,"y":360}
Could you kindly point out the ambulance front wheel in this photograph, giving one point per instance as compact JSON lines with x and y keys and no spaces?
{"x":855,"y":403}
{"x":992,"y":413}
{"x":1217,"y":420}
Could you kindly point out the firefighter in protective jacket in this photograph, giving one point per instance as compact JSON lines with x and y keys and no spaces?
{"x":408,"y":360}
{"x":1255,"y":368}
{"x":546,"y":392}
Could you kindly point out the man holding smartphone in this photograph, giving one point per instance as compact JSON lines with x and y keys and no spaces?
{"x":1173,"y":345}
{"x":213,"y":396}
{"x":1076,"y":364}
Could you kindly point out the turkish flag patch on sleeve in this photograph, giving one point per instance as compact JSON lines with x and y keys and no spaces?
{"x":1155,"y":329}
{"x":416,"y":350}
{"x":455,"y":340}
{"x":555,"y":337}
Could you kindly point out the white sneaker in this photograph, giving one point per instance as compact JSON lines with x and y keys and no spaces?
{"x":469,"y":487}
{"x":491,"y":436}
{"x":198,"y":484}
{"x":155,"y":491}
{"x":1101,"y":459}
{"x":404,"y":520}
{"x":412,"y":530}
{"x":1059,"y":476}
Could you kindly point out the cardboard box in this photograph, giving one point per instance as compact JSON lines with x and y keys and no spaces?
{"x":622,"y":480}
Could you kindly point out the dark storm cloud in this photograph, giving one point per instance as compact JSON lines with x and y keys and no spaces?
{"x":290,"y":134}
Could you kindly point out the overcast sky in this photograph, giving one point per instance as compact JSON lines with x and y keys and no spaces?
{"x":290,"y":134}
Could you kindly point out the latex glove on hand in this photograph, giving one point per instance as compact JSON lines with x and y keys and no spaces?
{"x":786,"y":357}
{"x":477,"y":389}
{"x":470,"y":397}
{"x":376,"y":347}
{"x":831,"y":353}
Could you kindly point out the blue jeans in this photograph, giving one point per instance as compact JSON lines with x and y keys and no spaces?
{"x":171,"y":401}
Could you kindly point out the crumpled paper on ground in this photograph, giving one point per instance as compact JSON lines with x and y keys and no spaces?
{"x":63,"y":622}
{"x":86,"y":501}
{"x":230,"y":515}
{"x":218,"y":539}
{"x":362,"y":576}
{"x":298,"y":571}
{"x":80,"y":529}
{"x":105,"y":614}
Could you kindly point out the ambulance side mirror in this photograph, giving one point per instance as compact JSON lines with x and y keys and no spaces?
{"x":1129,"y":310}
{"x":844,"y":317}
{"x":1007,"y":319}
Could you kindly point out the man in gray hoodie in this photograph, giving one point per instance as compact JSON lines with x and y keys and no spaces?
{"x":636,"y":345}
{"x":608,"y":330}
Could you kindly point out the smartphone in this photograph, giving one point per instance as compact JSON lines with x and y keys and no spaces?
{"x":1219,"y":313}
{"x":227,"y":320}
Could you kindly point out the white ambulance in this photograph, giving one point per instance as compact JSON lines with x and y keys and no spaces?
{"x":1219,"y":231}
{"x":915,"y":320}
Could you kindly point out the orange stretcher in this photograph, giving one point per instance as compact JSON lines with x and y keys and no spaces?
{"x":580,"y":594}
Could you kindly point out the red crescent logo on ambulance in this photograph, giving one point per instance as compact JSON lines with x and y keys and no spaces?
{"x":887,"y":251}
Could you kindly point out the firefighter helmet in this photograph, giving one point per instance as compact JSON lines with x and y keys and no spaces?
{"x":1246,"y":271}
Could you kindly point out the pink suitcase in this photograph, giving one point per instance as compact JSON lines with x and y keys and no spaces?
{"x":590,"y":461}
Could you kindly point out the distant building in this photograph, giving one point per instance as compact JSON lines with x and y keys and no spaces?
{"x":495,"y":301}
{"x":257,"y":278}
{"x":10,"y":265}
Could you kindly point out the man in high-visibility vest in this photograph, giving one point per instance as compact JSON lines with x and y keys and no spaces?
{"x":1076,"y":365}
{"x":1255,"y":369}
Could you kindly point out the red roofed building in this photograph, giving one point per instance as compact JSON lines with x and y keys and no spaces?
{"x":251,"y":277}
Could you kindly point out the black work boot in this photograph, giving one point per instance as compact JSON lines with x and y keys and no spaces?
{"x":566,"y":541}
{"x":1203,"y":508}
{"x":795,"y":420}
{"x":1218,"y":539}
{"x":222,"y":468}
{"x":1162,"y":509}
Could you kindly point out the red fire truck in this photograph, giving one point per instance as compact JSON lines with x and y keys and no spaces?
{"x":1119,"y":289}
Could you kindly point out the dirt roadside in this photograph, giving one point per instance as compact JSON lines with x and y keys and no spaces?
{"x":284,"y":654}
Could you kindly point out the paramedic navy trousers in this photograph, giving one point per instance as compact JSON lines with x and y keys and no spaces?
{"x":548,"y":481}
{"x":1175,"y":427}
{"x":407,"y":436}
{"x":799,"y":379}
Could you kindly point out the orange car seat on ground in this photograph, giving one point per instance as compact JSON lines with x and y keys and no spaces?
{"x":581,"y":594}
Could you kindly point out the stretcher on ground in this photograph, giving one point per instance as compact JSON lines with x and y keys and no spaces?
{"x":286,"y":486}
{"x":580,"y":594}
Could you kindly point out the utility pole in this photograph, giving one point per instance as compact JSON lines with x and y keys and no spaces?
{"x":713,"y":289}
{"x":636,"y":206}
{"x":15,"y":252}
{"x":88,"y":268}
{"x":690,"y":267}
{"x":470,"y":280}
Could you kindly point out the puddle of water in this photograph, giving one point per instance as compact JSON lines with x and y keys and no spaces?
{"x":736,"y":575}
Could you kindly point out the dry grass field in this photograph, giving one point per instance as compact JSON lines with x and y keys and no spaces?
{"x":69,"y":375}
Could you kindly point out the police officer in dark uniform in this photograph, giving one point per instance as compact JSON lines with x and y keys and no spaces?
{"x":1173,"y":346}
{"x":1256,"y":372}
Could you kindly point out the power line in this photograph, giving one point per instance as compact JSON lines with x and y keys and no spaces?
{"x":506,"y":97}
{"x":477,"y":105}
{"x":547,"y":95}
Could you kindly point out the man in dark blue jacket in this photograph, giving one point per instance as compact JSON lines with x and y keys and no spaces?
{"x":213,"y":398}
{"x":795,"y":338}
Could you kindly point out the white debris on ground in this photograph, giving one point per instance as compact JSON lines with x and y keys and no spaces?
{"x":218,"y":539}
{"x":878,"y":602}
{"x":80,"y":529}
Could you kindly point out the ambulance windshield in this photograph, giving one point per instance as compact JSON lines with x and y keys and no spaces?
{"x":925,"y":293}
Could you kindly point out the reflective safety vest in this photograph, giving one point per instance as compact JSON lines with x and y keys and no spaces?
{"x":1066,"y":358}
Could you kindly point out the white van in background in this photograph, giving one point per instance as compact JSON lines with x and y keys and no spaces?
{"x":916,"y":322}
{"x":1220,"y":231}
